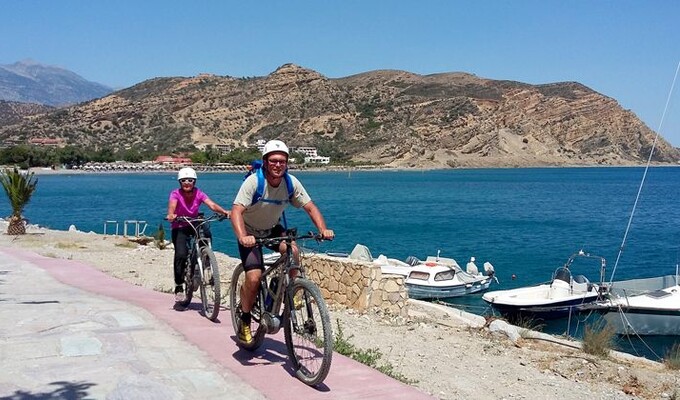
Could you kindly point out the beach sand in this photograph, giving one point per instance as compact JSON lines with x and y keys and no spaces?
{"x":441,"y":355}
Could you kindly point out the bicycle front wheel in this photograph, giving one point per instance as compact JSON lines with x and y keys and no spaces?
{"x":308,"y":333}
{"x":237,"y":280}
{"x":210,"y":285}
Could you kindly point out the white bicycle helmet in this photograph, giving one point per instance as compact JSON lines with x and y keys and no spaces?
{"x":273,"y":146}
{"x":186,"y":172}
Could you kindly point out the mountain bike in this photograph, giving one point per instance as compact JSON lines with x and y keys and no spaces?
{"x":202,"y":271}
{"x":295,"y":302}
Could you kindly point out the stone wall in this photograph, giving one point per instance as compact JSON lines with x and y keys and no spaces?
{"x":358,"y":285}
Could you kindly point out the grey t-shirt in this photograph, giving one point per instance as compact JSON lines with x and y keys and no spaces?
{"x":260,"y":217}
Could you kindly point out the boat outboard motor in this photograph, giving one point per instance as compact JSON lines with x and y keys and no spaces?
{"x":412,"y":261}
{"x":490,"y":271}
{"x":471,"y":267}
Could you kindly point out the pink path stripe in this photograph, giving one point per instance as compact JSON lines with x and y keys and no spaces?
{"x":267,"y":369}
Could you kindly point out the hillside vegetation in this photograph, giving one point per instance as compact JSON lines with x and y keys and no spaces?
{"x":394,"y":118}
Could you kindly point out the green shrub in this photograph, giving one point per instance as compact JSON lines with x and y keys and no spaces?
{"x":159,"y":237}
{"x":369,"y":357}
{"x":19,"y":188}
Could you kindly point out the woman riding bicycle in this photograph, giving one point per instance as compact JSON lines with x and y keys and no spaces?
{"x":185,"y":202}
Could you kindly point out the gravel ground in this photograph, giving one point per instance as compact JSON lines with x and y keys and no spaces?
{"x":441,"y":355}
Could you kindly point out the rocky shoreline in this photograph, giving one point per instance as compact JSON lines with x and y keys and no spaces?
{"x":442,"y":350}
{"x":336,"y":168}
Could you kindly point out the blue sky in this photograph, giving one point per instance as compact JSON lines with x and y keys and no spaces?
{"x":628,"y":50}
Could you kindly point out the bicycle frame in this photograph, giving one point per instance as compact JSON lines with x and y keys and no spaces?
{"x":198,"y":240}
{"x":280,"y":269}
{"x":201,"y":271}
{"x":271,"y":317}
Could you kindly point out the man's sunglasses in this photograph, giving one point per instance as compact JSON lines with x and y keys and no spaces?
{"x":189,"y":180}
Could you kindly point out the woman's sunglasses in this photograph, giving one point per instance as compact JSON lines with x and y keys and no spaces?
{"x":189,"y":180}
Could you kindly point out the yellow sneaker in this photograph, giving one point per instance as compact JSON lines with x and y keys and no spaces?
{"x":298,"y":303}
{"x":244,"y":333}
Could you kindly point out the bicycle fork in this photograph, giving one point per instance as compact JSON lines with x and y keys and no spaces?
{"x":307,"y":326}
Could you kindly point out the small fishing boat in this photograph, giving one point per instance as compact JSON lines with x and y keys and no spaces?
{"x":564,"y":294}
{"x":442,"y":278}
{"x":435,"y":278}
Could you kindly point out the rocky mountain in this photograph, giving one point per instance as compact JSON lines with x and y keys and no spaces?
{"x":12,"y":112}
{"x":395,"y":118}
{"x":30,"y":82}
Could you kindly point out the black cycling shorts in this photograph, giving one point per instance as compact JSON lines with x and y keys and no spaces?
{"x":251,"y":257}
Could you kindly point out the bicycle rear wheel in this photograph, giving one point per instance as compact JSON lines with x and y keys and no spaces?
{"x":210,"y":285}
{"x":308,"y":332}
{"x":237,"y":280}
{"x":188,"y":283}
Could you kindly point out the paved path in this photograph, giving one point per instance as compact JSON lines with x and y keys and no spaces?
{"x":70,"y":331}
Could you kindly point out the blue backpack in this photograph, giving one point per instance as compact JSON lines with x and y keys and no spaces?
{"x":256,"y":168}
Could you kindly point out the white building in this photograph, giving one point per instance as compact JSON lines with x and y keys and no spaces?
{"x":311,"y":156}
{"x":223,"y":148}
{"x":318,"y":160}
{"x":307,"y":151}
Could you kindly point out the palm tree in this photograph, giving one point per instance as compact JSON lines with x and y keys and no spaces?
{"x":19,"y":188}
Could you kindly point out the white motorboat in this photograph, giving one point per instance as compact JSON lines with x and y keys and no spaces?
{"x":563,"y":295}
{"x":644,"y":306}
{"x":649,"y":306}
{"x":435,"y":278}
{"x":387,"y":265}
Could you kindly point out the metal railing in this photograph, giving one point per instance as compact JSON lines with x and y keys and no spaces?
{"x":133,"y":226}
{"x":110,"y":222}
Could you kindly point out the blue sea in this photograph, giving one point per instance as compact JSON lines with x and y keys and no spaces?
{"x":526,"y":222}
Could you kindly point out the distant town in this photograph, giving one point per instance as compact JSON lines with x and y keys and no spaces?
{"x":301,"y":156}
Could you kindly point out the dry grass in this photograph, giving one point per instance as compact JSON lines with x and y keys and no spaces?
{"x":633,"y":387}
{"x":127,"y":245}
{"x":526,"y":325}
{"x":69,"y":245}
{"x":142,"y":240}
{"x":598,"y":338}
{"x":672,"y":359}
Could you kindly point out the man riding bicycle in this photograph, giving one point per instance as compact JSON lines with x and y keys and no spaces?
{"x":258,"y":216}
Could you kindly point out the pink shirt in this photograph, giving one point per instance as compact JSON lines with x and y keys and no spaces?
{"x":185,"y":209}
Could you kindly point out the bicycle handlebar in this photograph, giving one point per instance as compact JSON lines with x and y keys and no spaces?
{"x":196,"y":222}
{"x":200,"y":220}
{"x":288,"y":238}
